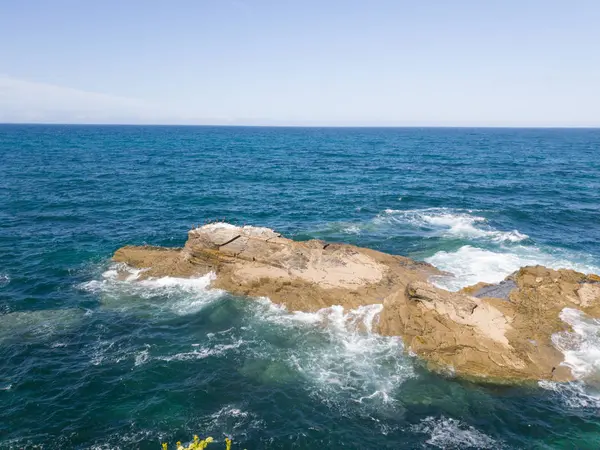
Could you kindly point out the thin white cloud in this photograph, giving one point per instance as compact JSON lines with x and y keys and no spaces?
{"x":28,"y":101}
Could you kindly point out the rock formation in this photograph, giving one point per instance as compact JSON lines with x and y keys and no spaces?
{"x":497,"y":332}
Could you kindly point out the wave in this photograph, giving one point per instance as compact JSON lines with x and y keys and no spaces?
{"x":109,"y":351}
{"x":120,"y":288}
{"x":488,"y":254}
{"x":351,"y":229}
{"x":575,"y":395}
{"x":581,"y":346}
{"x":450,"y":223}
{"x":202,"y":352}
{"x":4,"y":279}
{"x":345,"y":360}
{"x":453,"y":434}
{"x":469,"y":265}
{"x":334,"y":352}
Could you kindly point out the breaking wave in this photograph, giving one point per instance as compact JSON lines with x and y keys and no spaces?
{"x":335,"y":353}
{"x":120,"y":288}
{"x":575,"y":395}
{"x":338,"y":353}
{"x":470,"y":265}
{"x":581,"y":346}
{"x":448,"y":222}
{"x":487,"y":254}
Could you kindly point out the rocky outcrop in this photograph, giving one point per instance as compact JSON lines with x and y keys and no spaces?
{"x":497,"y":332}
{"x":303,"y":276}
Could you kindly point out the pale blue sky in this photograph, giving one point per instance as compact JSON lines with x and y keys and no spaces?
{"x":337,"y":62}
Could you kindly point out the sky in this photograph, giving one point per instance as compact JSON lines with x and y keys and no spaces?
{"x":306,"y":62}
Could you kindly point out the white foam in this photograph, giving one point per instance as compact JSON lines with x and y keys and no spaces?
{"x":4,"y":279}
{"x":232,"y":419}
{"x":142,"y":357}
{"x":349,"y":361}
{"x":104,"y":352}
{"x":581,"y":346}
{"x":58,"y":345}
{"x":351,"y":229}
{"x":470,"y":265}
{"x":121,"y":288}
{"x":448,"y":222}
{"x":229,"y":411}
{"x":203,"y":352}
{"x":577,"y":394}
{"x":453,"y":434}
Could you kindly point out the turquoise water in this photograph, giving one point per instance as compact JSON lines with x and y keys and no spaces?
{"x":87,"y":361}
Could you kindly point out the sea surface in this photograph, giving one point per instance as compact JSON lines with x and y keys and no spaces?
{"x":91,"y":362}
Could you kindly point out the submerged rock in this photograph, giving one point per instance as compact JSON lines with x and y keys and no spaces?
{"x":25,"y":326}
{"x":497,"y":332}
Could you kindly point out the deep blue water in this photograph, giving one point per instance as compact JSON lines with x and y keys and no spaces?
{"x":87,"y":361}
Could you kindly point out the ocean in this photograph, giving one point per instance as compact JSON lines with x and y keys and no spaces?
{"x":91,"y":362}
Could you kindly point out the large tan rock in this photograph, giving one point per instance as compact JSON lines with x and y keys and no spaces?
{"x":497,"y":332}
{"x":303,"y":276}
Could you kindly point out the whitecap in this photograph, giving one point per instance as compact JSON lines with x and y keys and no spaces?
{"x":58,"y":345}
{"x":142,"y":357}
{"x":450,"y":433}
{"x":470,"y":265}
{"x":4,"y":279}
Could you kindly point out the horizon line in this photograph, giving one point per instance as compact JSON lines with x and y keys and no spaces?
{"x":100,"y":124}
